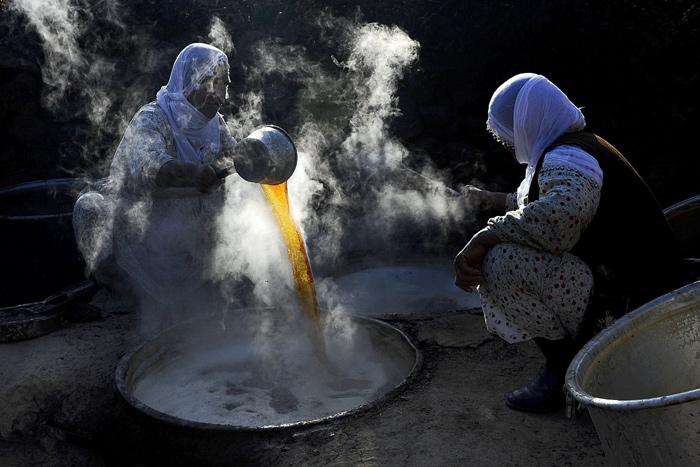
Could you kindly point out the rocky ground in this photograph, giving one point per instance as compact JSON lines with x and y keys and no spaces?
{"x":59,"y":405}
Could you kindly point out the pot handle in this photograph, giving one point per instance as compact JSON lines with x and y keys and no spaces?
{"x":574,"y":408}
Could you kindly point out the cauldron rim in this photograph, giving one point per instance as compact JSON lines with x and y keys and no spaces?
{"x":125,"y":361}
{"x":34,"y":186}
{"x":646,"y":315}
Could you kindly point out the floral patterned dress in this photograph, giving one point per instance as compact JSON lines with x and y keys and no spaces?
{"x":531,"y":285}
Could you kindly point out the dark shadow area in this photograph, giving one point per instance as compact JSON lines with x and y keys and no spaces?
{"x":631,"y":65}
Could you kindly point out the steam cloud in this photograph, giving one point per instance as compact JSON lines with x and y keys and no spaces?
{"x":68,"y":67}
{"x":219,"y":35}
{"x":351,"y":192}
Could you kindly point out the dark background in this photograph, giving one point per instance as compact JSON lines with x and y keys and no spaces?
{"x":630,"y":64}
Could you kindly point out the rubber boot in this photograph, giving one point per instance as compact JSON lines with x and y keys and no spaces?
{"x":545,"y":393}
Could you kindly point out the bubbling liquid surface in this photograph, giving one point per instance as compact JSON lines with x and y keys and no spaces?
{"x":270,"y":375}
{"x":272,"y":381}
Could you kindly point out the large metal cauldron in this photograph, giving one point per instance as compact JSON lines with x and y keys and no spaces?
{"x":154,"y":436}
{"x":640,"y":379}
{"x":39,"y":254}
{"x":684,"y":219}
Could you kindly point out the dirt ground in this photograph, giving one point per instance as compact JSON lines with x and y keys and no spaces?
{"x":58,"y":404}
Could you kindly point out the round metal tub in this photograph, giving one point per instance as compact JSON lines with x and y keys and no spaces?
{"x":39,"y":253}
{"x":684,"y":219}
{"x":214,"y":390}
{"x":390,"y":289}
{"x":640,"y":379}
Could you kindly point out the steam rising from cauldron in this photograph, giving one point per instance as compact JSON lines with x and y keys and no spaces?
{"x":350,"y":192}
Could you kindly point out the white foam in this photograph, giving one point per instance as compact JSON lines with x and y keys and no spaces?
{"x":271,"y":382}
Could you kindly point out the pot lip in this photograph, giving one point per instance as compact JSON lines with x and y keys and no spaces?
{"x":37,"y":185}
{"x":37,"y":217}
{"x":677,"y":208}
{"x":122,"y":366}
{"x":618,"y":330}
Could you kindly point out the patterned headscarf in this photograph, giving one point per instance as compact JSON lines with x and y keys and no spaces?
{"x":194,"y":133}
{"x":528,"y":112}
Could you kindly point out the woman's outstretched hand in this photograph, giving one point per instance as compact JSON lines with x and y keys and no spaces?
{"x":467,"y":263}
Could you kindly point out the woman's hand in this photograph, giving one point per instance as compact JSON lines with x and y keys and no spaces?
{"x":183,"y":174}
{"x":207,"y":179}
{"x":467,"y":263}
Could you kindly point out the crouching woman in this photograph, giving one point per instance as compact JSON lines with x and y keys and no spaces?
{"x":582,"y":236}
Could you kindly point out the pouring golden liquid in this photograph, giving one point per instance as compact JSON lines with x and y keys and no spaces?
{"x":278,"y":200}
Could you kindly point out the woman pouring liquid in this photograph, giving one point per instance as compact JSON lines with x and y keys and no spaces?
{"x":151,"y":224}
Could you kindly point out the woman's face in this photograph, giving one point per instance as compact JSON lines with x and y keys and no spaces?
{"x":211,"y":93}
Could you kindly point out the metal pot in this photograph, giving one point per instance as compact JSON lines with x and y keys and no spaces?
{"x":639,"y":379}
{"x":39,"y":251}
{"x":157,"y":437}
{"x":267,"y":155}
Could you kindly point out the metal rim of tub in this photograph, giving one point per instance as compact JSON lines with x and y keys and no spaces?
{"x":39,"y":185}
{"x":36,"y":185}
{"x":678,"y":208}
{"x":607,"y":337}
{"x":122,"y":367}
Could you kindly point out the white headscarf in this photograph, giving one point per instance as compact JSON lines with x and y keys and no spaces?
{"x":529,"y":112}
{"x":194,"y":133}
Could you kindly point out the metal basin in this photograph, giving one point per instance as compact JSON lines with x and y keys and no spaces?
{"x":684,"y":219}
{"x":221,"y":389}
{"x":640,"y":379}
{"x":415,"y":288}
{"x":39,"y":252}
